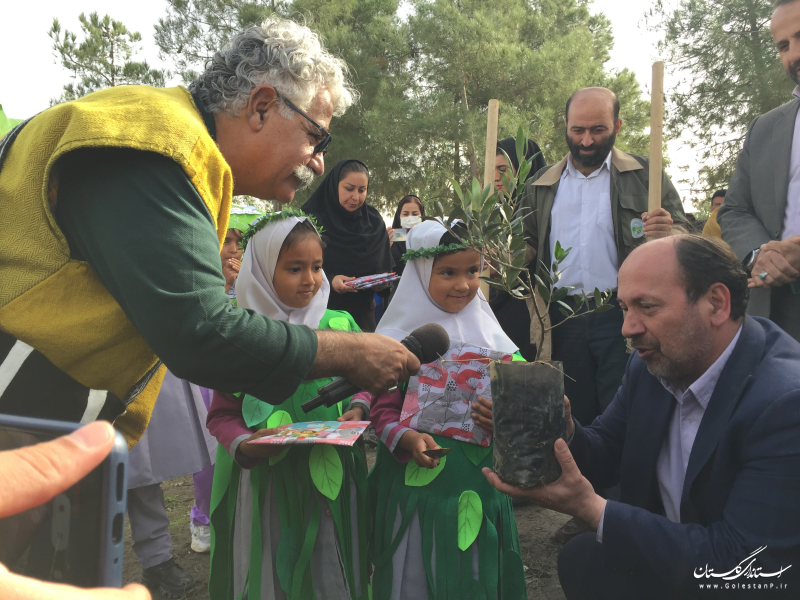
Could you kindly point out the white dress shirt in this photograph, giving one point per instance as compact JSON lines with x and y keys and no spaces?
{"x":581,"y":219}
{"x":673,"y":459}
{"x":791,"y":219}
{"x":674,"y":456}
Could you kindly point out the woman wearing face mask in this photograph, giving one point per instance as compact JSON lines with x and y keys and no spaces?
{"x":409,"y":213}
{"x":356,"y":237}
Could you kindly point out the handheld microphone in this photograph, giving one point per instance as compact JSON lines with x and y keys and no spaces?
{"x":427,"y":343}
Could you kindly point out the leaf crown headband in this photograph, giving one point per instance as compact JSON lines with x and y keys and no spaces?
{"x":431,"y":252}
{"x":261,"y":222}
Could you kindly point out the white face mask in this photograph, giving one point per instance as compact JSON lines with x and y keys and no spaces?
{"x":409,"y":222}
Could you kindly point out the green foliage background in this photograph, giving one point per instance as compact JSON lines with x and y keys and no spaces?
{"x":426,"y":71}
{"x":727,"y":70}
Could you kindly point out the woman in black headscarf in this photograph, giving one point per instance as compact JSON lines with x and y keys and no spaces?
{"x":356,"y":237}
{"x":509,"y":145}
{"x":511,"y":313}
{"x":409,"y":213}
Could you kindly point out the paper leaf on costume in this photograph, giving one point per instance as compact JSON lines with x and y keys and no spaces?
{"x":469,"y":589}
{"x":419,"y":476}
{"x":326,"y":470}
{"x":286,"y":558}
{"x":255,"y":411}
{"x":339,"y":324}
{"x":276,"y":419}
{"x":274,"y":460}
{"x":513,"y":576}
{"x":470,"y":517}
{"x":475,"y":453}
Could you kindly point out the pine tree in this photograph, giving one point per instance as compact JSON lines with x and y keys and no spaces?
{"x":425,"y":81}
{"x":729,"y":71}
{"x":102,"y":59}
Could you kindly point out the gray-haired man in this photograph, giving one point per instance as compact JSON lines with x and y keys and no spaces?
{"x":114,"y":207}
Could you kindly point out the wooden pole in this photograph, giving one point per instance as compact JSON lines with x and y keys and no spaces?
{"x":491,"y":142}
{"x":493,"y":115}
{"x":656,"y":136}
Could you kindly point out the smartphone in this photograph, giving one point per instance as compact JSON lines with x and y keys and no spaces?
{"x":76,"y":538}
{"x":436,"y":452}
{"x":400,"y":235}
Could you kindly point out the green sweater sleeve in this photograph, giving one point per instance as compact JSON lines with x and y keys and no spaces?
{"x":140,"y":224}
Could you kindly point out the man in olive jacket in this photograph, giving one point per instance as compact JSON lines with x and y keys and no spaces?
{"x":593,"y":201}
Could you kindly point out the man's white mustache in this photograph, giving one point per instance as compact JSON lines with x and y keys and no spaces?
{"x":305,"y":175}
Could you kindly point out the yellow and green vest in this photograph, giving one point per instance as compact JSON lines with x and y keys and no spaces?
{"x":57,"y":304}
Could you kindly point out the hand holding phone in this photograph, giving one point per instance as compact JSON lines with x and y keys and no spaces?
{"x":40,"y":472}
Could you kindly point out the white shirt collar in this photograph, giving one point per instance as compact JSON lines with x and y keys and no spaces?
{"x":572,"y":171}
{"x":704,"y":386}
{"x":796,"y":92}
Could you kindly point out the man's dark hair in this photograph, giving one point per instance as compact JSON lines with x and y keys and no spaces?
{"x":778,"y":3}
{"x":704,"y":261}
{"x":719,"y":193}
{"x":615,"y":105}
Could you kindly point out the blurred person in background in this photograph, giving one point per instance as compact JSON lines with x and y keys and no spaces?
{"x":356,"y":238}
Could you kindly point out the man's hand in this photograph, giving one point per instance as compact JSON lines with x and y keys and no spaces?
{"x":657,"y":224}
{"x":416,"y":443}
{"x":571,"y":494}
{"x":374,"y":362}
{"x":38,"y":473}
{"x":483,"y":414}
{"x":339,"y":287}
{"x":780,"y":260}
{"x":354,"y":414}
{"x":568,"y":418}
{"x":262,"y":450}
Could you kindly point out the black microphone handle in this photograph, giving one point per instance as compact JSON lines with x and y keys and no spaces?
{"x":331,"y":393}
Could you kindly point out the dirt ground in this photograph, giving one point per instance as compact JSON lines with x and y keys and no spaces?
{"x":536,"y":526}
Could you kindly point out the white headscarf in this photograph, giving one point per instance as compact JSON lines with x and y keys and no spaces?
{"x":412,"y":305}
{"x":254,"y":289}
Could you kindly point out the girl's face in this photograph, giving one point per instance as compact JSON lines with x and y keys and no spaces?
{"x":298,"y":274}
{"x":353,"y":191}
{"x":454,"y":281}
{"x":230,"y":247}
{"x":501,"y":166}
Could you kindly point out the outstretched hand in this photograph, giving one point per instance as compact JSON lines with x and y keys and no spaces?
{"x":571,"y":493}
{"x":39,"y":473}
{"x":372,"y":361}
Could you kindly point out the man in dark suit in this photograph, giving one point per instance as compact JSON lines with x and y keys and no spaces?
{"x":703,"y":437}
{"x":761,"y":215}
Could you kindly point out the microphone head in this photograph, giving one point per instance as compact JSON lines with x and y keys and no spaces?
{"x":434,"y":341}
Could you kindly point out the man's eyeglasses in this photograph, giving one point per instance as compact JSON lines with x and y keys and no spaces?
{"x":322,"y":147}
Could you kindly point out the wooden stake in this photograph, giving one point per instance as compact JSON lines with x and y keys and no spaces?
{"x":491,"y":142}
{"x":656,"y":136}
{"x":493,"y":115}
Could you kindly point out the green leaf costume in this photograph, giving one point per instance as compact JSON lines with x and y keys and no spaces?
{"x":310,"y":485}
{"x":476,"y":550}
